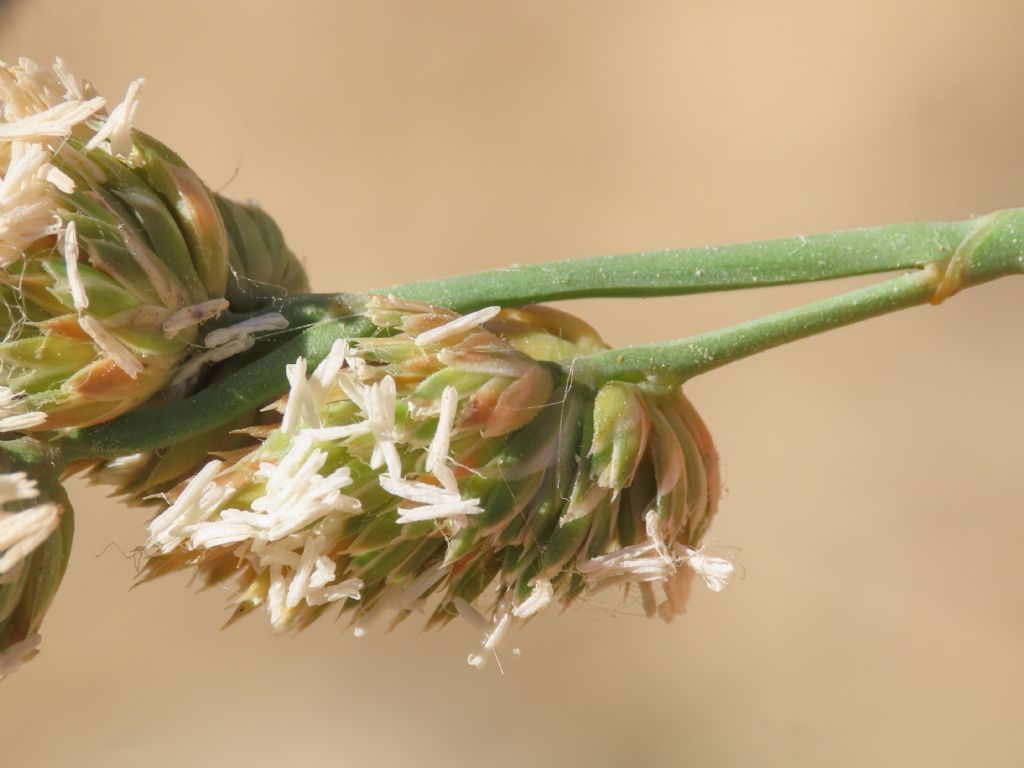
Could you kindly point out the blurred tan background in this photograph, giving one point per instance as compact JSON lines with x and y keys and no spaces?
{"x":875,"y":483}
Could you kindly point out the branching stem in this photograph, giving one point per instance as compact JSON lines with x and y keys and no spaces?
{"x":992,"y":247}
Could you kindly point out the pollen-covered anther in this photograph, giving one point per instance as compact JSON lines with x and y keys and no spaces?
{"x":438,"y":454}
{"x":116,"y":129}
{"x":17,"y":486}
{"x":21,"y":652}
{"x":456,"y":327}
{"x":21,"y":422}
{"x":380,"y":413}
{"x":222,"y":343}
{"x":541,"y":593}
{"x":653,"y":561}
{"x":194,"y":504}
{"x":56,"y":121}
{"x":14,"y":417}
{"x":69,"y":247}
{"x":429,"y":501}
{"x":112,"y":347}
{"x":265,"y":323}
{"x":193,"y":315}
{"x":22,"y":530}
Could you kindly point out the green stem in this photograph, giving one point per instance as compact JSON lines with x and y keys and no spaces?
{"x":677,"y":361}
{"x":25,"y":453}
{"x":700,"y":270}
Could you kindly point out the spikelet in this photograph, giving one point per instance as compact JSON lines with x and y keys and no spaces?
{"x":449,"y":465}
{"x":113,"y":254}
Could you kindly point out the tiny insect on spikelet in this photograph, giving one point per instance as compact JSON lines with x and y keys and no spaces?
{"x":450,"y":465}
{"x":112,"y":255}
